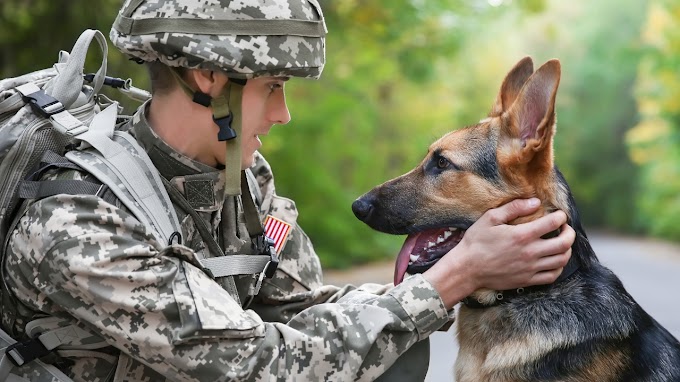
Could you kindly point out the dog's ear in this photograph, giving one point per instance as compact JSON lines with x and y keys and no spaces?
{"x":512,"y":84}
{"x":532,"y":115}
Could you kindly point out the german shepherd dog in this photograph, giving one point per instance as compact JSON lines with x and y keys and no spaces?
{"x":583,"y":327}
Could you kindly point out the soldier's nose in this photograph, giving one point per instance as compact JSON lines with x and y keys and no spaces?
{"x":362,"y":208}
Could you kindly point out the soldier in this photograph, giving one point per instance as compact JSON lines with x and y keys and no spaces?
{"x":218,"y":69}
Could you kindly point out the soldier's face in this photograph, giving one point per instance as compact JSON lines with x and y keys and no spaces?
{"x":264,"y":105}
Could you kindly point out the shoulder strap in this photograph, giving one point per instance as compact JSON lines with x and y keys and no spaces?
{"x":8,"y":362}
{"x":128,"y":172}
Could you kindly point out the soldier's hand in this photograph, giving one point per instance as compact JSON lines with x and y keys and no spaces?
{"x":498,"y":256}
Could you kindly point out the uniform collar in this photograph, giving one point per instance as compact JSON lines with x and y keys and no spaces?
{"x":201,"y":185}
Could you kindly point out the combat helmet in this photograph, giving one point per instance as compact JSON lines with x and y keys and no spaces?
{"x":242,"y":38}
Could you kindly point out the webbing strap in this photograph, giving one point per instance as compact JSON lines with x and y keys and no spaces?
{"x":20,"y":353}
{"x":51,"y":158}
{"x":253,"y":223}
{"x":69,"y":82}
{"x":42,"y":189}
{"x":50,"y":107}
{"x":236,"y":265}
{"x":252,"y":27}
{"x":224,"y":106}
{"x":121,"y":161}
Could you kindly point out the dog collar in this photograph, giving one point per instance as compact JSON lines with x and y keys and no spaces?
{"x":505,"y":296}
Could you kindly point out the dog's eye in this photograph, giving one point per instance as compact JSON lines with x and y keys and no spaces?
{"x":443,"y":163}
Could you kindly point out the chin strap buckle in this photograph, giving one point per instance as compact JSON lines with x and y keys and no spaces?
{"x":226,"y":132}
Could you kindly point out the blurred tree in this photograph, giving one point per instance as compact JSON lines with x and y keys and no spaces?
{"x":596,"y":107}
{"x":655,"y":141}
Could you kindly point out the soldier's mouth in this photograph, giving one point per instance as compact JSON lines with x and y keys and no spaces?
{"x":423,"y":249}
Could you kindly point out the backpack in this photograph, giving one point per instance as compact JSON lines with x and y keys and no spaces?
{"x":57,"y":117}
{"x":41,"y":115}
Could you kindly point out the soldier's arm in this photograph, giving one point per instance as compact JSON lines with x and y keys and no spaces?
{"x":95,"y":262}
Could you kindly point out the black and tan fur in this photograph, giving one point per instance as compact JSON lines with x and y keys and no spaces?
{"x":583,"y":328}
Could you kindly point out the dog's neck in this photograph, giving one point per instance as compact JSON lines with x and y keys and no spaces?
{"x":488,"y":298}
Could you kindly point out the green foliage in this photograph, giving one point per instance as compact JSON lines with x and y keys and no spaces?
{"x":655,"y":141}
{"x":596,"y":105}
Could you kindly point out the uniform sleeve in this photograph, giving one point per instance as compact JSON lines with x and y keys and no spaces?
{"x":93,"y":261}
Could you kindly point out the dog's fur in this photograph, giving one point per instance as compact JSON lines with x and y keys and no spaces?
{"x":582,"y":328}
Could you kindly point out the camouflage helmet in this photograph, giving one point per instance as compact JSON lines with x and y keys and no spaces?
{"x":243,"y":38}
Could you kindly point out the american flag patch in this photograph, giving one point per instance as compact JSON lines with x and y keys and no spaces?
{"x":277,"y":230}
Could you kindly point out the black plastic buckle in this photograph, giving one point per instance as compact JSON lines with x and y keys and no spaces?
{"x":266,"y":247}
{"x":272,"y":265}
{"x":226,"y":132}
{"x":21,"y":353}
{"x":43,"y":103}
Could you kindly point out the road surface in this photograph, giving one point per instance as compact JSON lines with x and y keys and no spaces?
{"x":649,"y":269}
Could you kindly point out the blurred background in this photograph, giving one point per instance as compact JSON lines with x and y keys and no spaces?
{"x":401,"y":73}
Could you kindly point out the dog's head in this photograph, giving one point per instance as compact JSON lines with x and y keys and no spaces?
{"x":506,"y":156}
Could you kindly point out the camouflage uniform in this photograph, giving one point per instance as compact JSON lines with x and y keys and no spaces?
{"x":89,"y":262}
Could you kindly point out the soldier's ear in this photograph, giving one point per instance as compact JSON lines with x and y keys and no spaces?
{"x":207,"y":81}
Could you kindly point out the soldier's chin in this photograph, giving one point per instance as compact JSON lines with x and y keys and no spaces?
{"x":247,"y":160}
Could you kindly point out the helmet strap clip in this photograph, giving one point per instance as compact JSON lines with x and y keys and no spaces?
{"x":226,"y":132}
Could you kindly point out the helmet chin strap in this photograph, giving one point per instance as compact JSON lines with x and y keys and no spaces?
{"x":227,"y":115}
{"x":226,"y":110}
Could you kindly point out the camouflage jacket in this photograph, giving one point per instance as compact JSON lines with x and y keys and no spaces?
{"x":91,"y":263}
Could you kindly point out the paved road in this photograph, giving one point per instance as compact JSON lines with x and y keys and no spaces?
{"x":649,"y":269}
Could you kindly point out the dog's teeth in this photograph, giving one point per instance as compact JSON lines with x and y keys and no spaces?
{"x":414,"y":258}
{"x":440,"y":239}
{"x":447,"y":234}
{"x":430,"y":244}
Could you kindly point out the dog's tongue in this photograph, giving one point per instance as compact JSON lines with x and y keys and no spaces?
{"x":403,"y":258}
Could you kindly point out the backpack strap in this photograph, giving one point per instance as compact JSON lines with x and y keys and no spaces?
{"x":69,"y":82}
{"x":34,"y":188}
{"x":41,"y":189}
{"x":49,"y":107}
{"x":8,"y":362}
{"x":117,"y":160}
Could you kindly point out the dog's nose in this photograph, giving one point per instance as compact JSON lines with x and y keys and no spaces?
{"x":362,"y":209}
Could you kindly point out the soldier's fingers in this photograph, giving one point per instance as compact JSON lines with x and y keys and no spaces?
{"x":552,"y":246}
{"x":511,"y":211}
{"x":543,"y":225}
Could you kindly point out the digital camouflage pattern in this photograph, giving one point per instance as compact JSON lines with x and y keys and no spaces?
{"x":93,"y":264}
{"x":239,"y":55}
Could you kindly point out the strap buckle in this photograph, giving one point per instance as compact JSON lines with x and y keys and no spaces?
{"x":266,"y":246}
{"x":43,"y":104}
{"x":21,"y":353}
{"x":226,"y":132}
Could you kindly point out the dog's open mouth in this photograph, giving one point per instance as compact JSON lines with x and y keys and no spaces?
{"x":421,"y":250}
